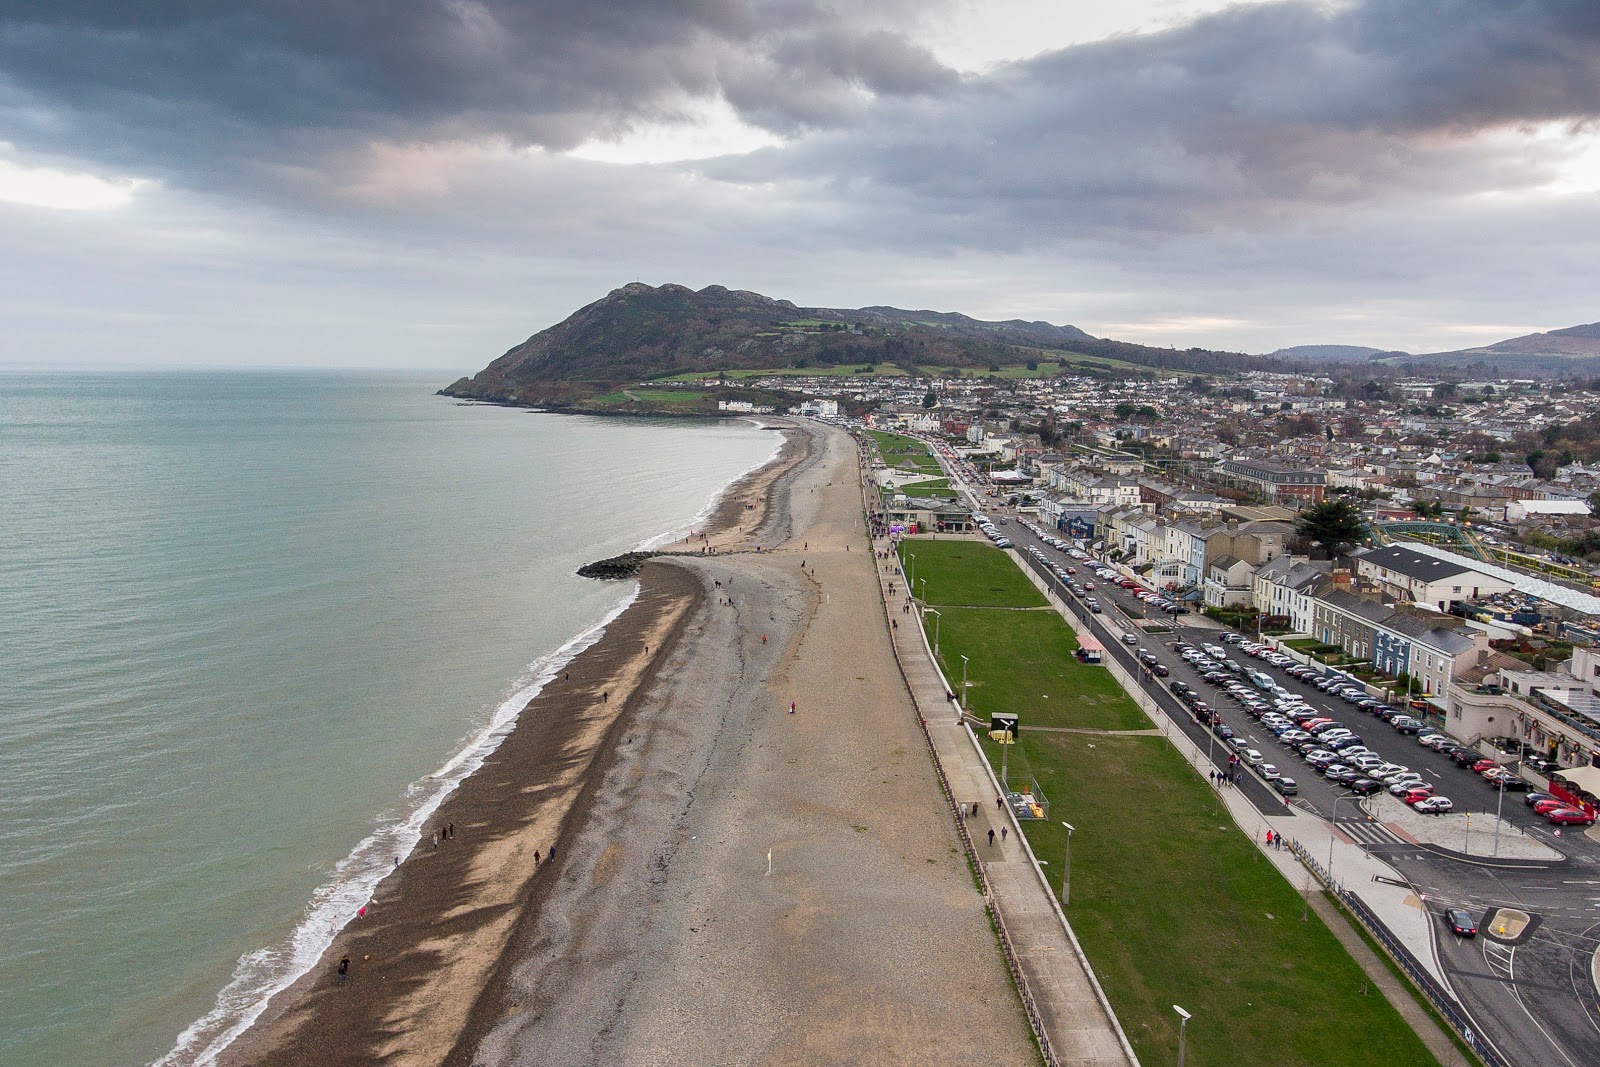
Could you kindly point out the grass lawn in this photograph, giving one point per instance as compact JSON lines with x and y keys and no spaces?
{"x":655,"y":398}
{"x":898,"y":450}
{"x":937,"y":486}
{"x":1021,"y":661}
{"x":1172,"y":902}
{"x":841,"y":370}
{"x":967,"y":573}
{"x":1174,"y":906}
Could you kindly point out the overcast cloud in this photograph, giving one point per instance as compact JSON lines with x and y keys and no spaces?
{"x":366,"y":183}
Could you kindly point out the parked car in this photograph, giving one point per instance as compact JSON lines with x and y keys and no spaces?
{"x":1285,"y":786}
{"x":1365,"y":786}
{"x":1569,"y":817}
{"x":1533,"y":798}
{"x":1434,"y":806}
{"x":1544,"y":807}
{"x":1461,"y":924}
{"x":1412,"y":794}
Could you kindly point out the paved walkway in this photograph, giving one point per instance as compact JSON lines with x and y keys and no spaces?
{"x":1055,"y":975}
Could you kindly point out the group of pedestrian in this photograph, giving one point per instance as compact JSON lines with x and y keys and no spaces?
{"x":1221,"y":778}
{"x":1275,"y":840}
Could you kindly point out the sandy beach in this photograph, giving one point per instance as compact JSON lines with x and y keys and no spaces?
{"x":667,"y":770}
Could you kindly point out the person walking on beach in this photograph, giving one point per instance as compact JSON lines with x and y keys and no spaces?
{"x":344,"y":969}
{"x":791,"y":707}
{"x":450,"y":831}
{"x":436,"y":839}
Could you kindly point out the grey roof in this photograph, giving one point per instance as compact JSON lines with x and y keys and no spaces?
{"x":1413,"y":564}
{"x":1563,"y":595}
{"x":923,"y":503}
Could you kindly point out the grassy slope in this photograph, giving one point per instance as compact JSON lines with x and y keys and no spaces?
{"x":1172,"y":902}
{"x":886,"y":370}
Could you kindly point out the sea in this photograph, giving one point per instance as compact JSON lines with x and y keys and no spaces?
{"x":253,"y":628}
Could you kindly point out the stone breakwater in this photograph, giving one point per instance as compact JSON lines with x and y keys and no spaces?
{"x":617,"y":567}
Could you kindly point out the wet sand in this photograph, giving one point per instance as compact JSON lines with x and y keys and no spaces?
{"x":657,"y":935}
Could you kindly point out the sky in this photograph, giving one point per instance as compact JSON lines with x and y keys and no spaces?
{"x":425,"y":183}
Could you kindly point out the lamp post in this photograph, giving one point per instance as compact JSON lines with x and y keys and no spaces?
{"x":1499,"y":803}
{"x":963,"y":687}
{"x":1183,"y":1026}
{"x":937,"y":618}
{"x":912,"y":556}
{"x":924,"y":583}
{"x":1066,"y":869}
{"x":1333,"y":828}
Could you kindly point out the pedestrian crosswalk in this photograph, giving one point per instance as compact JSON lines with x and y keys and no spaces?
{"x":1368,"y":832}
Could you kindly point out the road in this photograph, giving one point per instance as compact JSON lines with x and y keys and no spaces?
{"x":1533,"y":995}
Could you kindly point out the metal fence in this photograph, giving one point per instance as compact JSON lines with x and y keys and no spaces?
{"x":1424,"y":980}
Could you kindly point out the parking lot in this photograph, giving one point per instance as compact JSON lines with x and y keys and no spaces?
{"x":1532,"y":996}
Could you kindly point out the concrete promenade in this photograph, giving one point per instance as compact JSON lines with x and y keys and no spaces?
{"x":1056,"y":980}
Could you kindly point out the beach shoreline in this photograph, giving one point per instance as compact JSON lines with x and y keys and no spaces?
{"x":433,"y":928}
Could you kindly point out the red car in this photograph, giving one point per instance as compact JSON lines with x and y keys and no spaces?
{"x":1416,"y":793}
{"x":1483,"y":765}
{"x":1544,"y":807}
{"x":1569,"y":817}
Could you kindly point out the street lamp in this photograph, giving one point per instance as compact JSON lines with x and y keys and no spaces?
{"x":937,"y":618}
{"x":963,"y":687}
{"x":924,"y":583}
{"x":1499,"y":804}
{"x":1333,"y":828}
{"x":1183,"y":1027}
{"x":1066,"y":870}
{"x":913,"y":573}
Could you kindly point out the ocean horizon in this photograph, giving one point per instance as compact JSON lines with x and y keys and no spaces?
{"x":258,"y":625}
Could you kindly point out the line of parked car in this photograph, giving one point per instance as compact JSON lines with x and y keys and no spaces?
{"x":991,"y":531}
{"x":1328,"y":746}
{"x":1083,"y":588}
{"x":1335,"y":750}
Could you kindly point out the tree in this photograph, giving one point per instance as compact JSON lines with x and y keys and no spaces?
{"x":1333,"y":524}
{"x":930,"y":399}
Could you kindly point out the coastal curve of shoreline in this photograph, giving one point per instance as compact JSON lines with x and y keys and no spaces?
{"x":753,"y":863}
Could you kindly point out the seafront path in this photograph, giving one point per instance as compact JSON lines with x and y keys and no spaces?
{"x":1066,"y":1005}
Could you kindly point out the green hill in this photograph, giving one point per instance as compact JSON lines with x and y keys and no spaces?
{"x":640,"y":332}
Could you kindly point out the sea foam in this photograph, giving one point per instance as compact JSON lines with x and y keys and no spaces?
{"x":262,"y":974}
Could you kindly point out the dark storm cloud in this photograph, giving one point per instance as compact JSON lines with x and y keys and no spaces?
{"x":198,"y":87}
{"x":1246,"y":118}
{"x":1251,"y":117}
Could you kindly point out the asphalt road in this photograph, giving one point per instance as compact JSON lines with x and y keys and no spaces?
{"x":1533,"y":998}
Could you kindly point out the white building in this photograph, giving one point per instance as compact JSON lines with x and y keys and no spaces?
{"x":1437,"y":583}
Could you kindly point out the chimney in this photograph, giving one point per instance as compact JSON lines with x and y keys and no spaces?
{"x":1341,"y":578}
{"x":1233,"y":525}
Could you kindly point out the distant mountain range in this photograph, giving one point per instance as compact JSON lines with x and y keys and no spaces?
{"x":1328,"y":353}
{"x":641,"y":332}
{"x":1572,"y":351}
